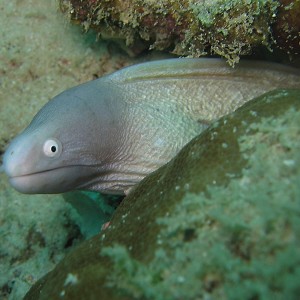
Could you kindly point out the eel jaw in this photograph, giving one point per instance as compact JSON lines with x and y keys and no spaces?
{"x":53,"y":181}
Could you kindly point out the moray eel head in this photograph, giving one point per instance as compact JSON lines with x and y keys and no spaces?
{"x":63,"y":148}
{"x":47,"y":153}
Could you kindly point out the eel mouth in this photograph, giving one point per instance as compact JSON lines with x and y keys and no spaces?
{"x":38,"y":172}
{"x":51,"y":181}
{"x":63,"y":169}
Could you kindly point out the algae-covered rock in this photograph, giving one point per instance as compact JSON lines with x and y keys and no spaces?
{"x":286,"y":29}
{"x":219,"y":221}
{"x":191,"y":27}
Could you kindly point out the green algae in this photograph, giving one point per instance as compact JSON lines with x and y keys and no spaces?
{"x":236,"y":27}
{"x":220,"y":221}
{"x":231,"y":243}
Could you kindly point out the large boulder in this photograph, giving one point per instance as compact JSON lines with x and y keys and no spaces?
{"x":219,"y":221}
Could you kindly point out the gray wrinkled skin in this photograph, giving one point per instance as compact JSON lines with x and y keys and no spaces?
{"x":108,"y":134}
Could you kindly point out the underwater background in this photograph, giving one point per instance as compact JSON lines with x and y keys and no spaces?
{"x":245,"y":244}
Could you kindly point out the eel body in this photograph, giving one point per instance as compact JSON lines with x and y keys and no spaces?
{"x":108,"y":134}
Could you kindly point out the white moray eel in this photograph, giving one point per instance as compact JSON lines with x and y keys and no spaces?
{"x":108,"y":134}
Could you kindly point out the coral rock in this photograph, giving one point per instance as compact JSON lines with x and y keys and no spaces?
{"x":191,"y":28}
{"x":287,"y":27}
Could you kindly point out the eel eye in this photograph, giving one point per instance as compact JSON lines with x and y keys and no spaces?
{"x":52,"y":148}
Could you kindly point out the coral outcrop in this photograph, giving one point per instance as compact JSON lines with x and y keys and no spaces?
{"x":192,"y":27}
{"x":220,"y":221}
{"x":286,"y":29}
